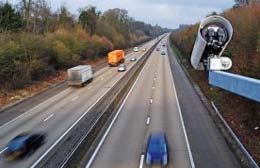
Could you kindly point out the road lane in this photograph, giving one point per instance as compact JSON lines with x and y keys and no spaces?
{"x":153,"y":96}
{"x":64,"y":113}
{"x":18,"y":111}
{"x":207,"y":143}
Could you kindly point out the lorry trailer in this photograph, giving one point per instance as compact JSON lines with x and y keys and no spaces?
{"x":116,"y":57}
{"x":79,"y":75}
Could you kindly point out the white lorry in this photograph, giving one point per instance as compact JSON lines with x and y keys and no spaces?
{"x":79,"y":75}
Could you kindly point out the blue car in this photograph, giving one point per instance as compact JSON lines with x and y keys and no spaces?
{"x":23,"y":145}
{"x":157,"y":150}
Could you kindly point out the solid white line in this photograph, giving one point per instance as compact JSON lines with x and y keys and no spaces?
{"x":25,"y":113}
{"x":69,"y":129}
{"x":3,"y":150}
{"x":148,"y":121}
{"x":46,"y":119}
{"x":112,"y":123}
{"x":141,"y":164}
{"x":73,"y":125}
{"x":182,"y":122}
{"x":74,"y":98}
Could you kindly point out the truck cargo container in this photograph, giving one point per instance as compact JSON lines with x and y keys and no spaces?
{"x":116,"y":57}
{"x":79,"y":75}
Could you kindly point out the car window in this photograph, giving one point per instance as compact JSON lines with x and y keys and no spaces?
{"x":32,"y":139}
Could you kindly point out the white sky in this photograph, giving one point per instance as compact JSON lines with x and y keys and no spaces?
{"x":166,"y":13}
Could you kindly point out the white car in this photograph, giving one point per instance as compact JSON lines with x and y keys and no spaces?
{"x":136,"y":49}
{"x":121,"y":68}
{"x":133,"y":59}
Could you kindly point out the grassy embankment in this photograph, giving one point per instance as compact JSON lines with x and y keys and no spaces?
{"x":243,"y":115}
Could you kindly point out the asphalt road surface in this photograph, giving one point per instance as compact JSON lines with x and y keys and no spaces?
{"x":208,"y":145}
{"x":164,"y":101}
{"x":151,"y":107}
{"x":55,"y":115}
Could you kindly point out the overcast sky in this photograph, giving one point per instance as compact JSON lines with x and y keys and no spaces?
{"x":166,"y":13}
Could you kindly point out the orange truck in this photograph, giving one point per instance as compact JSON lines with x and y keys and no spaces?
{"x":116,"y":57}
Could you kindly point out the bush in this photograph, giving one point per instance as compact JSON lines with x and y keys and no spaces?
{"x":62,"y":54}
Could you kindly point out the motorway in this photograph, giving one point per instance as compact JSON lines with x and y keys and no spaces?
{"x":153,"y":105}
{"x":57,"y":114}
{"x":161,"y":99}
{"x":150,"y":107}
{"x":208,"y":145}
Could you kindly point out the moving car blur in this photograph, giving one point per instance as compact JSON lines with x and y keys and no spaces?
{"x":157,"y":149}
{"x":23,"y":145}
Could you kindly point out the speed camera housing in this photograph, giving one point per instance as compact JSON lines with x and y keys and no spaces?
{"x":215,"y":32}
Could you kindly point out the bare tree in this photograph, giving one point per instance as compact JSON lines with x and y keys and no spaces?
{"x":27,"y":7}
{"x":41,"y":16}
{"x":247,"y":2}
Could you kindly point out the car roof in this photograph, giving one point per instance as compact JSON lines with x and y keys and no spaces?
{"x":157,"y":136}
{"x":18,"y":141}
{"x":157,"y":142}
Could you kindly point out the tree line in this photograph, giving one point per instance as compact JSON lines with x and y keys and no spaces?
{"x":246,"y":2}
{"x":36,"y":41}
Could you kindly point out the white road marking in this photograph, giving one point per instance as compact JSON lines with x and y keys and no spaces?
{"x":73,"y":125}
{"x":102,"y":79}
{"x":2,"y":151}
{"x":151,"y":101}
{"x":46,"y":119}
{"x":90,"y":87}
{"x":182,"y":122}
{"x":91,"y":160}
{"x":74,"y":98}
{"x":148,"y":120}
{"x":25,"y":113}
{"x":141,"y":164}
{"x":154,"y":79}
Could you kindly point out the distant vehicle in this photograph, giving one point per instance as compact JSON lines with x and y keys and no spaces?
{"x":121,"y":68}
{"x":157,"y":150}
{"x":163,"y":53}
{"x":79,"y":75}
{"x":116,"y":57}
{"x":143,"y":49}
{"x":163,"y":45}
{"x":136,"y":49}
{"x":24,"y":144}
{"x":158,"y":49}
{"x":133,"y":59}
